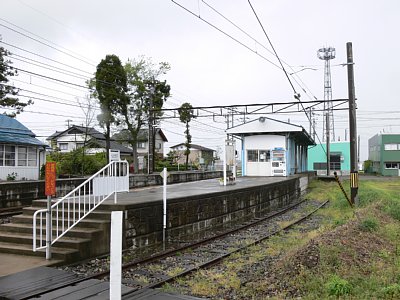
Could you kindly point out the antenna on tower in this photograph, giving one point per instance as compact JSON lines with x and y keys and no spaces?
{"x":326,"y":54}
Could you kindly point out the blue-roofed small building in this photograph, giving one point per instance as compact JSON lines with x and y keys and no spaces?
{"x":272,"y":147}
{"x":21,"y":153}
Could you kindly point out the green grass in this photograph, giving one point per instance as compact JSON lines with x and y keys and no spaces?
{"x":345,"y":269}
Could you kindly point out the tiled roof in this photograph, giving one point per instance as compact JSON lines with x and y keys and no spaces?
{"x":13,"y":132}
{"x":194,"y":146}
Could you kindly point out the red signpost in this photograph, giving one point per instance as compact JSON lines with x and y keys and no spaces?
{"x":50,"y":179}
{"x":50,"y":190}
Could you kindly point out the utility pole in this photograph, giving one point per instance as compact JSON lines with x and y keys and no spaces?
{"x":150,"y":158}
{"x":352,"y":125}
{"x":328,"y":147}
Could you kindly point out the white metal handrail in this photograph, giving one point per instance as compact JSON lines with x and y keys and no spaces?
{"x":80,"y":202}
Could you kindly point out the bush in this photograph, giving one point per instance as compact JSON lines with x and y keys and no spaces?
{"x":370,"y":225}
{"x":337,"y":286}
{"x":75,"y":163}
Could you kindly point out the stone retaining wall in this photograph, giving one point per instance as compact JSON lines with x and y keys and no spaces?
{"x":143,"y":222}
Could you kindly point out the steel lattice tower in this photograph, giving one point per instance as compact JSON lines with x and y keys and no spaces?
{"x":326,"y":54}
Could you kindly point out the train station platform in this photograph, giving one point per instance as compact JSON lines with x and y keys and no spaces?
{"x":187,"y":190}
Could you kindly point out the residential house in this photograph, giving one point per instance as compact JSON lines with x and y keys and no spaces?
{"x":21,"y":153}
{"x":384,"y":154}
{"x":272,"y":148}
{"x":199,"y":155}
{"x":77,"y":136}
{"x":339,"y":158}
{"x":142,"y":144}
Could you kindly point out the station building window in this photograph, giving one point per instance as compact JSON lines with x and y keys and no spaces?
{"x":258,"y":155}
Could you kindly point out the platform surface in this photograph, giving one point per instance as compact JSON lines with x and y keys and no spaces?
{"x":13,"y":263}
{"x":189,"y":189}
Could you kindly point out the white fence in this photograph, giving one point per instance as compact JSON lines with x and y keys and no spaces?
{"x":69,"y":210}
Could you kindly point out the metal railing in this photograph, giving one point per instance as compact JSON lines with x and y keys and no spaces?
{"x":69,"y":210}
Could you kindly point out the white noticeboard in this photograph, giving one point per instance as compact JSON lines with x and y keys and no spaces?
{"x":230,"y":154}
{"x":114,"y":155}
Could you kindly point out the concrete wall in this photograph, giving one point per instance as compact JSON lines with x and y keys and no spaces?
{"x":143,"y":223}
{"x":22,"y":193}
{"x":138,"y":180}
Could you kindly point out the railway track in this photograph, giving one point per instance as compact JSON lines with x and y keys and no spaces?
{"x":167,"y":266}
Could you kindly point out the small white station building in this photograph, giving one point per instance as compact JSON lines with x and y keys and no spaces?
{"x":272,"y":148}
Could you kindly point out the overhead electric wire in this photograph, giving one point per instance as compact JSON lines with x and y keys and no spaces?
{"x":51,"y":78}
{"x":296,"y":95}
{"x":280,"y":67}
{"x":226,"y":34}
{"x":44,"y":57}
{"x":262,"y":45}
{"x":52,"y":68}
{"x":38,"y":63}
{"x":77,"y":75}
{"x":19,"y":27}
{"x":50,"y":46}
{"x":272,"y":46}
{"x":47,"y":88}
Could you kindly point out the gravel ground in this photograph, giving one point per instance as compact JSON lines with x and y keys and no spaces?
{"x":142,"y":275}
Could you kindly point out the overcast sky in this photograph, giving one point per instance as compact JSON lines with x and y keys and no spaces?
{"x":207,"y":67}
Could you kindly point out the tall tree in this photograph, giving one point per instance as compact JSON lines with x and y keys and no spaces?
{"x":186,"y":115}
{"x":147,"y":94}
{"x":88,"y":108}
{"x":111,"y":90}
{"x":8,"y":93}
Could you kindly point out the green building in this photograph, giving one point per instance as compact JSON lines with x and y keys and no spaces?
{"x":384,"y":153}
{"x":339,"y":158}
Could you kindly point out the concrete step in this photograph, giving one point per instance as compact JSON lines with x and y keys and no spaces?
{"x":27,"y":228}
{"x":96,"y":214}
{"x":88,"y":222}
{"x":62,"y":254}
{"x":26,"y":238}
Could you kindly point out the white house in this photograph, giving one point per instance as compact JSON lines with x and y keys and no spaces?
{"x":21,"y":154}
{"x":143,"y":144}
{"x":76,"y":136}
{"x":198,"y":154}
{"x":272,"y":148}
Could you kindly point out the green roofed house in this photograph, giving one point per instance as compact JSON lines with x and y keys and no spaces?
{"x":384,"y":153}
{"x":339,"y":158}
{"x":21,"y":153}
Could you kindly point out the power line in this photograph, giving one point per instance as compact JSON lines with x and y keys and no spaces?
{"x":251,"y":37}
{"x":50,"y":67}
{"x":226,"y":34}
{"x":44,"y":57}
{"x":43,"y":43}
{"x":47,"y":88}
{"x":51,"y":78}
{"x":272,"y":46}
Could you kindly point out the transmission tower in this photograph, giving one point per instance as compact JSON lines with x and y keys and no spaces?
{"x":326,"y":54}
